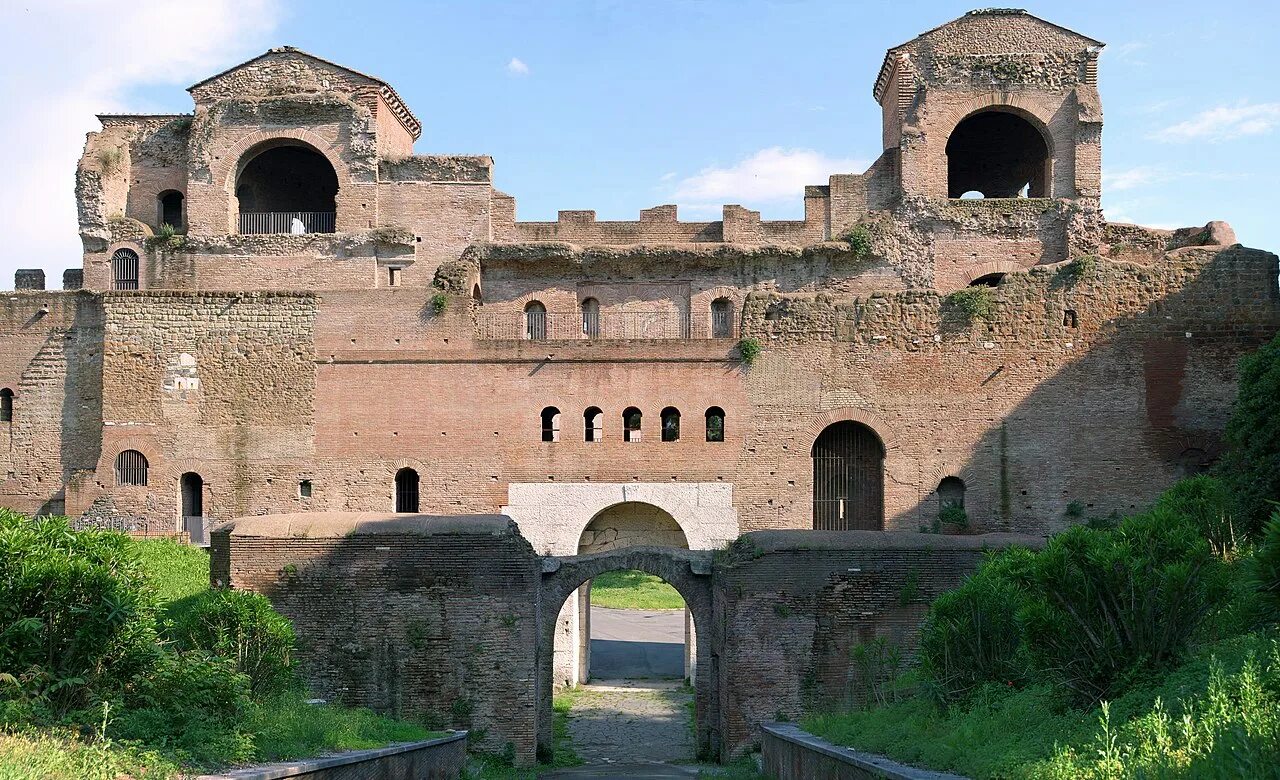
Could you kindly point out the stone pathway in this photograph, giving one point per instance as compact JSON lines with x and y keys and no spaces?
{"x":628,"y":729}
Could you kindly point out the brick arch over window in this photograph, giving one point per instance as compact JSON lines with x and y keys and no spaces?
{"x":888,"y":434}
{"x":1059,"y":149}
{"x":157,"y":467}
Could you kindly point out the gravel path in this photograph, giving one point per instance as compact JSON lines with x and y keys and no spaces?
{"x":632,"y":723}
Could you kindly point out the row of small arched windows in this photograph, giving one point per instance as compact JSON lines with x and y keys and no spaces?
{"x":632,"y":424}
{"x":535,"y":319}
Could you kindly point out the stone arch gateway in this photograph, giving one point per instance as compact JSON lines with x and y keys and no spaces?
{"x":688,"y":571}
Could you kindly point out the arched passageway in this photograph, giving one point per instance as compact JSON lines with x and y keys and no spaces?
{"x":286,"y":188}
{"x":998,"y":154}
{"x":686,"y":571}
{"x":848,"y":478}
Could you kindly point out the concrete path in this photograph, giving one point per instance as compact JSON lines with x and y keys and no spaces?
{"x":629,"y":724}
{"x":637,"y":644}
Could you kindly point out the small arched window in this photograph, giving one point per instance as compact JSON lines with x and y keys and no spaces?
{"x":551,"y":424}
{"x":631,"y":419}
{"x":951,"y":492}
{"x":124,"y":270}
{"x":131,"y":468}
{"x":475,"y":293}
{"x":721,"y":318}
{"x":6,"y":405}
{"x":406,"y":490}
{"x":170,"y":208}
{"x":990,"y":280}
{"x":671,"y":424}
{"x":591,"y":318}
{"x":535,"y":321}
{"x":715,"y":424}
{"x":593,"y":424}
{"x":304,"y":488}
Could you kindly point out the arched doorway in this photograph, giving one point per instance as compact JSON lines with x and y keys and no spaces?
{"x":286,"y":187}
{"x":848,"y":478}
{"x":686,"y":571}
{"x":999,"y":154}
{"x":191,"y":488}
{"x":407,"y":490}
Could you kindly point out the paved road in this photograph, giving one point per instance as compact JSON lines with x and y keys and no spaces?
{"x":627,"y":728}
{"x":637,"y":644}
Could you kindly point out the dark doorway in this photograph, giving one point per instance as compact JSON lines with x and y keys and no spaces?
{"x":998,"y":154}
{"x":171,"y":209}
{"x":192,"y":488}
{"x":407,"y":490}
{"x":848,"y":479}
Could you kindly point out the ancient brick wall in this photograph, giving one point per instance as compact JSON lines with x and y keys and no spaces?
{"x":443,"y":625}
{"x":790,"y":607}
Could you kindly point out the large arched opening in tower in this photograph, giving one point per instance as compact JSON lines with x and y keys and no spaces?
{"x":848,"y":478}
{"x":286,"y":187}
{"x":999,"y":154}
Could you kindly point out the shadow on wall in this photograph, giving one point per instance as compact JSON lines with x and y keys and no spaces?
{"x":1125,"y":374}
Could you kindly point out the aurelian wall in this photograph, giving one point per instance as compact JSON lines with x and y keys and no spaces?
{"x":429,"y":618}
{"x":791,"y":607}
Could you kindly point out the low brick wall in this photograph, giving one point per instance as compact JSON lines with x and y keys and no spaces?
{"x":434,"y":759}
{"x":791,"y":753}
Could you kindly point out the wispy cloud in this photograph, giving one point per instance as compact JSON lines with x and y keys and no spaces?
{"x":58,"y":76}
{"x":1131,"y":178}
{"x":517,"y":67}
{"x":1224,"y":123}
{"x":769,"y":176}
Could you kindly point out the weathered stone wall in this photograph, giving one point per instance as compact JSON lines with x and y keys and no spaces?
{"x":426,"y":617}
{"x":789,"y":607}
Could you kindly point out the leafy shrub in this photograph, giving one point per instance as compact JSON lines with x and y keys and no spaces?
{"x":244,"y":628}
{"x":1079,"y":268}
{"x":749,"y":349}
{"x":973,"y":303}
{"x":859,"y":239}
{"x":166,"y":238}
{"x":953,"y":515}
{"x":971,"y":635}
{"x":1250,"y":468}
{"x":190,"y":704}
{"x":1104,"y":607}
{"x":1265,"y":573}
{"x":439,"y":302}
{"x":76,"y":623}
{"x":1204,"y":501}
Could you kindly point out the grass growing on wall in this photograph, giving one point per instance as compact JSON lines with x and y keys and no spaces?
{"x":633,"y":590}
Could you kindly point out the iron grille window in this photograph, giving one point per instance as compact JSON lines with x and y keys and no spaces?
{"x":124,"y":269}
{"x":715,"y":424}
{"x":6,"y":405}
{"x":591,"y":318}
{"x":670,"y":424}
{"x":535,"y":322}
{"x":551,"y":424}
{"x":406,"y":490}
{"x":593,"y":424}
{"x":721,"y":318}
{"x":131,"y":468}
{"x":848,"y":479}
{"x":631,"y":419}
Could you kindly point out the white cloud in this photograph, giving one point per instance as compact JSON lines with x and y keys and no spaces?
{"x":517,"y":67}
{"x":1130,"y":178}
{"x":65,"y":61}
{"x":769,"y":176}
{"x":1224,"y":123}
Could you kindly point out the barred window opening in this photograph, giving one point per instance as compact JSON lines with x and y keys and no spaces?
{"x":131,"y":468}
{"x":124,"y":270}
{"x":406,"y":490}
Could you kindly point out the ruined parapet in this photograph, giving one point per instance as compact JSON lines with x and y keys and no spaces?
{"x":28,"y":279}
{"x":73,"y":279}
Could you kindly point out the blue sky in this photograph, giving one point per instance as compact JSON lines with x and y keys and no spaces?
{"x":618,"y":106}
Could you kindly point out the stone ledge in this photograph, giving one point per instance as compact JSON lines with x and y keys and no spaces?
{"x":434,"y":758}
{"x":791,"y":753}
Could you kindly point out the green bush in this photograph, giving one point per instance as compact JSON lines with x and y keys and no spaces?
{"x":439,"y":302}
{"x":973,"y":303}
{"x":1265,"y":570}
{"x":76,"y":622}
{"x":749,"y":349}
{"x":1106,"y":607}
{"x":1204,"y":501}
{"x":859,"y":239}
{"x":953,"y":515}
{"x":244,"y":628}
{"x":1250,"y":468}
{"x":971,"y":635}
